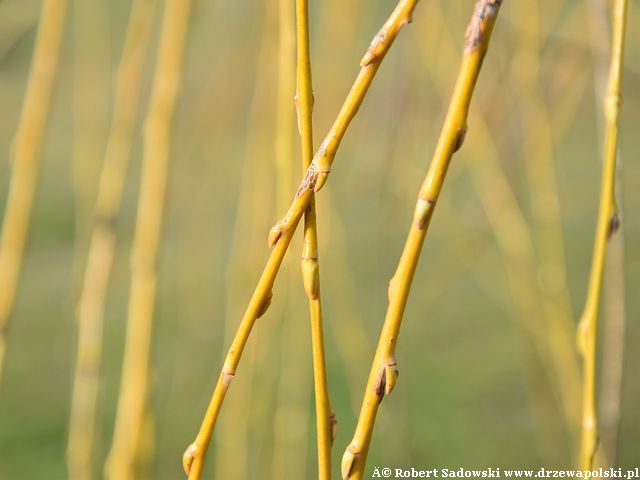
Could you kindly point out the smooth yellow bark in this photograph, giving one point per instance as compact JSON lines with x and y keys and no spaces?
{"x":325,"y":417}
{"x":384,"y":371}
{"x":606,"y":226}
{"x":281,"y":234}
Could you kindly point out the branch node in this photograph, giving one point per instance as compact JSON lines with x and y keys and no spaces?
{"x":309,"y":181}
{"x":376,"y":48}
{"x":190,"y":454}
{"x":265,"y":304}
{"x":274,"y":234}
{"x":387,"y":378}
{"x":614,"y":225}
{"x":227,"y":378}
{"x":484,"y":11}
{"x":422,"y":212}
{"x":333,"y":426}
{"x":349,"y":460}
{"x":462,"y":133}
{"x":391,"y":376}
{"x":322,"y":163}
{"x":310,"y":277}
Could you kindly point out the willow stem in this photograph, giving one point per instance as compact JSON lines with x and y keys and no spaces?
{"x":25,"y":157}
{"x":282,"y":233}
{"x":384,"y":371}
{"x":606,"y":226}
{"x":133,"y":415}
{"x":103,"y":239}
{"x":325,"y":417}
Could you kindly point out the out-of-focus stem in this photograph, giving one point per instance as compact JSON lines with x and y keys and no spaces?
{"x":134,"y":390}
{"x":607,"y":224}
{"x":286,"y":85}
{"x":384,"y":371}
{"x":91,"y":75}
{"x":232,"y":456}
{"x":538,"y":148}
{"x":282,"y":233}
{"x":103,"y":238}
{"x":325,"y":418}
{"x":24,"y":155}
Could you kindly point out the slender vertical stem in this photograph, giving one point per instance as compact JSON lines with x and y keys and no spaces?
{"x":90,"y":105}
{"x":103,"y":239}
{"x":325,"y":418}
{"x":132,"y":403}
{"x":25,"y":156}
{"x":281,"y":234}
{"x":614,"y":313}
{"x":384,"y":371}
{"x":289,"y":411}
{"x":606,"y":226}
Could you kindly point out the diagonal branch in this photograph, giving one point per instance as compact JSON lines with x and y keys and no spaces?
{"x":384,"y":371}
{"x":282,"y":233}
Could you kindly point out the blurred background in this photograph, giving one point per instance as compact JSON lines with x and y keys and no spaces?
{"x":497,"y":293}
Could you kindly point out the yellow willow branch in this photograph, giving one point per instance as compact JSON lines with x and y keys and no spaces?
{"x":384,"y":371}
{"x":606,"y":226}
{"x":614,"y":314}
{"x":25,"y":155}
{"x":134,"y":391}
{"x":325,"y":417}
{"x":289,"y":419}
{"x":515,"y":241}
{"x":281,"y":234}
{"x":103,"y":238}
{"x":90,"y":106}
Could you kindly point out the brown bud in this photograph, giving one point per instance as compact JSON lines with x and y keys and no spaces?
{"x":348,"y":461}
{"x":265,"y":304}
{"x":274,"y":234}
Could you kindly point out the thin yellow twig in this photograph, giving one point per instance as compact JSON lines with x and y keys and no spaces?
{"x":132,"y":403}
{"x":282,"y":233}
{"x":290,"y":412}
{"x":325,"y":417}
{"x":90,"y":105}
{"x":384,"y":371}
{"x":534,"y":311}
{"x":103,"y":239}
{"x":614,"y":313}
{"x":606,"y":226}
{"x":25,"y":156}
